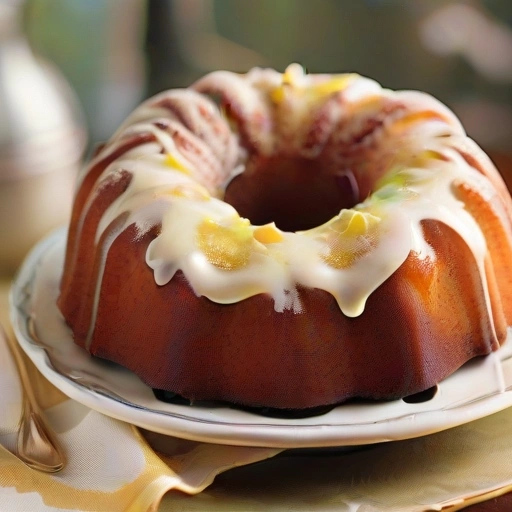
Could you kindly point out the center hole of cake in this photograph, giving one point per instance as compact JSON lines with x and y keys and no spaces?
{"x":294,"y":192}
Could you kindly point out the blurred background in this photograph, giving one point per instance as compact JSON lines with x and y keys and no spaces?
{"x":115,"y":52}
{"x":105,"y":56}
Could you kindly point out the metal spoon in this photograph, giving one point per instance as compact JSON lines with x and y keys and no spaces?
{"x":37,"y":444}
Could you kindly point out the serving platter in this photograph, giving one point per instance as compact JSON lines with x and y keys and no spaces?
{"x":480,"y":388}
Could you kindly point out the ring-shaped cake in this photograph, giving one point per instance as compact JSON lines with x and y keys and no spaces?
{"x":289,"y":241}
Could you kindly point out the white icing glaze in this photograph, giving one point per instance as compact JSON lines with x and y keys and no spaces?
{"x":414,"y":187}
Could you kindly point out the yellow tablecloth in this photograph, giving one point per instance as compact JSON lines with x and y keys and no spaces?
{"x":112,"y":466}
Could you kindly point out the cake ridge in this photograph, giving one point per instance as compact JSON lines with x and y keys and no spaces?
{"x":386,"y":175}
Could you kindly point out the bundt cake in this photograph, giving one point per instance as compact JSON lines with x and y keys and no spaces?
{"x":289,"y":241}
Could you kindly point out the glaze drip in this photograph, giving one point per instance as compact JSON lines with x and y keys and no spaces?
{"x":401,"y":148}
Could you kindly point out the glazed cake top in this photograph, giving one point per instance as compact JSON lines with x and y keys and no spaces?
{"x":403,"y":153}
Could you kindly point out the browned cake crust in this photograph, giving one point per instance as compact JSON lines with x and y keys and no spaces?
{"x":420,"y":325}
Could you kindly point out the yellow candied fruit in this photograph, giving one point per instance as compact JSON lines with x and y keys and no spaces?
{"x":228,"y":247}
{"x":407,"y":173}
{"x":193,"y":192}
{"x":351,"y":235}
{"x":353,"y":222}
{"x":278,"y":94}
{"x":425,"y":157}
{"x":336,"y":84}
{"x":268,"y":234}
{"x":171,"y":161}
{"x":289,"y":74}
{"x":342,"y":259}
{"x":315,"y":91}
{"x":357,"y":225}
{"x":396,"y":180}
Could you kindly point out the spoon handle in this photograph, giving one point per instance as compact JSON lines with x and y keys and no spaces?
{"x":37,"y":444}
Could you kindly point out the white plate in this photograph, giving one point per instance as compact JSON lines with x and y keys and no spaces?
{"x":479,"y":388}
